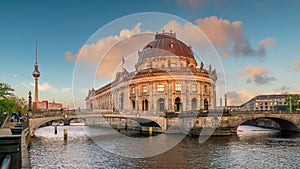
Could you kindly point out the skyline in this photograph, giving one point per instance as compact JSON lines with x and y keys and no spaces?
{"x":258,"y":47}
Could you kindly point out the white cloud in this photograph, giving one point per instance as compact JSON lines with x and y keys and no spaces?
{"x":66,"y":89}
{"x":45,"y":87}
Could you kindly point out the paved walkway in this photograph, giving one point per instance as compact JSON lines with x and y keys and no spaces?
{"x":6,"y":129}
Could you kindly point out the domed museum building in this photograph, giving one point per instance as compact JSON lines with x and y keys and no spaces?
{"x":167,"y":78}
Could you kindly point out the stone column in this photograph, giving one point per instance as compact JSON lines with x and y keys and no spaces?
{"x":187,"y":94}
{"x":200,"y":95}
{"x":137,"y":93}
{"x":169,"y":97}
{"x":151,"y":107}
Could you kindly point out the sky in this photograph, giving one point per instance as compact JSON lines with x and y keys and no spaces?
{"x":257,"y":42}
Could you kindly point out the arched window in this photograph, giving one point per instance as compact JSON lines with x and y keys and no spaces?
{"x":121,"y":101}
{"x":149,"y":47}
{"x":145,"y":105}
{"x":160,"y":105}
{"x":205,"y":104}
{"x":177,"y":104}
{"x":133,"y":105}
{"x":171,"y":44}
{"x":194,"y":104}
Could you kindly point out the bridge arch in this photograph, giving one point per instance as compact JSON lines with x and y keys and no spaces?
{"x":285,"y":125}
{"x":145,"y":122}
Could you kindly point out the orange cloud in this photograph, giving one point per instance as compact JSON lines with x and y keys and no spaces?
{"x":269,"y":42}
{"x":252,"y":71}
{"x":192,"y":3}
{"x":297,"y":64}
{"x":240,"y":97}
{"x":111,"y":62}
{"x":229,"y":38}
{"x":297,"y":91}
{"x":258,"y":75}
{"x":90,"y":52}
{"x":196,"y":3}
{"x":106,"y":54}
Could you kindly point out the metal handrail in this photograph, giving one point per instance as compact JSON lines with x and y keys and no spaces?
{"x":6,"y":162}
{"x":7,"y":116}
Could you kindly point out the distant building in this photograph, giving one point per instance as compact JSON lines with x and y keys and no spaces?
{"x":45,"y":105}
{"x":166,"y":78}
{"x":268,"y":102}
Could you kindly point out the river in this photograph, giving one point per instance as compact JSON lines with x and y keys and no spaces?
{"x":81,"y":152}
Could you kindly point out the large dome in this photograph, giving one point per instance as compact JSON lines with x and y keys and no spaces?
{"x":166,"y":44}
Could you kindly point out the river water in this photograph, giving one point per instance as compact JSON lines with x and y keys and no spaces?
{"x":79,"y":151}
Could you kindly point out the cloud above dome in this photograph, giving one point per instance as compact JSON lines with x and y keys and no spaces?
{"x":227,"y":37}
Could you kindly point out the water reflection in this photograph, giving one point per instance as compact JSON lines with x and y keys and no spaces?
{"x":254,"y":132}
{"x":48,"y":151}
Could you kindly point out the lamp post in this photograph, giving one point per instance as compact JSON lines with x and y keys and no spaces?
{"x":290,"y":103}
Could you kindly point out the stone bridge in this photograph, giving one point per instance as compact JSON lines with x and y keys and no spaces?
{"x":288,"y":121}
{"x":96,"y":117}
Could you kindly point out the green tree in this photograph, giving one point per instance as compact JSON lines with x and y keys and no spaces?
{"x":6,"y":104}
{"x":292,"y":100}
{"x":20,"y":104}
{"x":5,"y":90}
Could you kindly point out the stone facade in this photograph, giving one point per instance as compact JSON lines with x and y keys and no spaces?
{"x":166,"y":79}
{"x":269,"y":102}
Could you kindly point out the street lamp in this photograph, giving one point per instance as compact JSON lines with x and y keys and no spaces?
{"x":290,"y":103}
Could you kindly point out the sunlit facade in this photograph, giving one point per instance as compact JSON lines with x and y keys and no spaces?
{"x":269,"y":102}
{"x":166,"y":79}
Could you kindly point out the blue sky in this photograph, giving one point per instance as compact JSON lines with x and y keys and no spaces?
{"x":65,"y":26}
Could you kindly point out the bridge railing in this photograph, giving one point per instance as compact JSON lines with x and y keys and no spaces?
{"x":265,"y":112}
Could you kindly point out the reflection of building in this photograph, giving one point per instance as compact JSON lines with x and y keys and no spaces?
{"x":44,"y":105}
{"x":166,"y":78}
{"x":268,"y":102}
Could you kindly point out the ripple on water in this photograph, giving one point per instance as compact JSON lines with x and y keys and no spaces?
{"x":50,"y":151}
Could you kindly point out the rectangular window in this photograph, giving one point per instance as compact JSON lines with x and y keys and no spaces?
{"x":178,"y":87}
{"x":144,"y":89}
{"x":194,"y":87}
{"x":160,"y":87}
{"x":133,"y":90}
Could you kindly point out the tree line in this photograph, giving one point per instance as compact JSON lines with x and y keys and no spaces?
{"x":10,"y":102}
